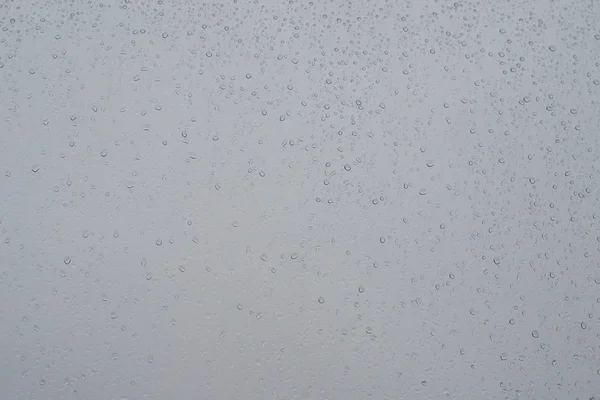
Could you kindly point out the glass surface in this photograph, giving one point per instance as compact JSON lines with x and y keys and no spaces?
{"x":299,"y":200}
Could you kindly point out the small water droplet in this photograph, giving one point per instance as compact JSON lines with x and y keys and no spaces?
{"x":535,"y":334}
{"x":321,"y":299}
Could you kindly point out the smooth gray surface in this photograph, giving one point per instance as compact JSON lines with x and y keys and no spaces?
{"x":299,"y":200}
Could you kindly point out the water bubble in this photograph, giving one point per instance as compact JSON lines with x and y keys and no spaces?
{"x":321,"y":299}
{"x":67,"y":260}
{"x":347,"y":167}
{"x":103,"y":153}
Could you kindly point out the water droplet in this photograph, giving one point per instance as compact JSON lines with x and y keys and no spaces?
{"x":67,"y":260}
{"x":347,"y":167}
{"x":103,"y":153}
{"x":321,"y":299}
{"x":535,"y":334}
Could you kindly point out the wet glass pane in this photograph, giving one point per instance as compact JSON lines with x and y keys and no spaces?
{"x":299,"y":199}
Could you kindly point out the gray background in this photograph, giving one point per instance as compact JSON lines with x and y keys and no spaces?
{"x":299,"y":200}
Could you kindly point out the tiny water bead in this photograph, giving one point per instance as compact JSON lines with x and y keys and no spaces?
{"x":321,"y":299}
